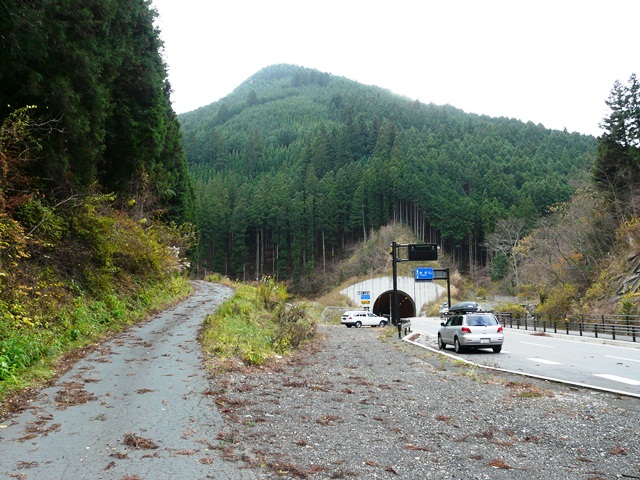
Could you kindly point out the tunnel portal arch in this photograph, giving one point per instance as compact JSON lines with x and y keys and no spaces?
{"x":374,"y":294}
{"x":382,"y":305}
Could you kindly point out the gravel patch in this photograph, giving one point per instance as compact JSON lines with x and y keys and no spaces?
{"x":360,"y":403}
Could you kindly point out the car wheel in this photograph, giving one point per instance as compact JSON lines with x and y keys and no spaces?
{"x":358,"y":324}
{"x":383,"y":323}
{"x":456,"y":345}
{"x":497,"y":349}
{"x":441,"y":344}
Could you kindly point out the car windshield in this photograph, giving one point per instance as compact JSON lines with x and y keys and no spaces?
{"x":481,"y":320}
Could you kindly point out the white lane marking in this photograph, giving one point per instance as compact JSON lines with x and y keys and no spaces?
{"x":542,"y":360}
{"x":615,"y":378}
{"x":537,"y":344}
{"x":623,"y":358}
{"x":531,"y":375}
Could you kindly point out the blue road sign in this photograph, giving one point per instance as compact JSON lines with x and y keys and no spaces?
{"x":423,"y":273}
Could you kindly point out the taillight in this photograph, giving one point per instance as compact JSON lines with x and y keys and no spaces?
{"x":466,"y":330}
{"x":500,"y":329}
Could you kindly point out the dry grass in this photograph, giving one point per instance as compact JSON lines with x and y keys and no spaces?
{"x":527,"y":390}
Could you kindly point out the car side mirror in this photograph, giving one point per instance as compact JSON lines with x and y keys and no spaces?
{"x":442,"y":324}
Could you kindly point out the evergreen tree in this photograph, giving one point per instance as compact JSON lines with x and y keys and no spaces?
{"x":617,"y":166}
{"x":94,"y":66}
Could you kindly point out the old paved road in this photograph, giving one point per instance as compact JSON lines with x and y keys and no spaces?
{"x":136,"y":408}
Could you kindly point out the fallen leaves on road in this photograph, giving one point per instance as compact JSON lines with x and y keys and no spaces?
{"x":73,"y":393}
{"x":132,"y":440}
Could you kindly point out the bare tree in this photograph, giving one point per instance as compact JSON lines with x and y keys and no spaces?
{"x":504,"y":241}
{"x":568,"y":246}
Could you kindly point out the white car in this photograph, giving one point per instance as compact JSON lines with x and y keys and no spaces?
{"x":358,"y":318}
{"x":471,"y":330}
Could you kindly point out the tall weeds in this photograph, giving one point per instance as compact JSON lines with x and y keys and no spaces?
{"x":256,"y":324}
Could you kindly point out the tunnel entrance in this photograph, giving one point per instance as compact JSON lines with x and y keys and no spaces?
{"x":382,"y":305}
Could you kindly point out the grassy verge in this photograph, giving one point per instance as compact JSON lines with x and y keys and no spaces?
{"x":73,"y":273}
{"x":257,"y":324}
{"x":31,"y":354}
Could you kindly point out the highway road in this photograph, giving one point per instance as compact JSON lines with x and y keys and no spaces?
{"x":600,"y":364}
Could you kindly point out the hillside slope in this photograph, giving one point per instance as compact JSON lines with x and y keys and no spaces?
{"x":296,"y":163}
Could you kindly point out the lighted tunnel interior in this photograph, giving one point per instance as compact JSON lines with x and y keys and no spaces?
{"x":382,"y":305}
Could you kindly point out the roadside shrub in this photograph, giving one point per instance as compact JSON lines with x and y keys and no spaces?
{"x":293,"y":327}
{"x":13,"y":247}
{"x":118,"y":244}
{"x":256,"y":324}
{"x":518,"y":311}
{"x":270,"y":293}
{"x":629,"y":304}
{"x":234,"y":330}
{"x":558,"y":302}
{"x":35,"y":216}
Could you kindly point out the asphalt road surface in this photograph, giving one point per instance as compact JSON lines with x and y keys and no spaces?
{"x":136,"y":408}
{"x":602,"y":364}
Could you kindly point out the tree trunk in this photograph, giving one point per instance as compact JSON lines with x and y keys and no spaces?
{"x":258,"y":255}
{"x":364,"y":227}
{"x":324,"y":256}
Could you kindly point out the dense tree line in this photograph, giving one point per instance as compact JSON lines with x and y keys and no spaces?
{"x":295,"y":164}
{"x":93,"y":70}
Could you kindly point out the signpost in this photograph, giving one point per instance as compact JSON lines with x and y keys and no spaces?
{"x":365,"y":298}
{"x":415,"y":252}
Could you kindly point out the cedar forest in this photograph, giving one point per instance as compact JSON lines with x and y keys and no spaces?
{"x":295,"y":164}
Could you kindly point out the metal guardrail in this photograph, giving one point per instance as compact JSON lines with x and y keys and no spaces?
{"x":404,"y":326}
{"x":608,"y":326}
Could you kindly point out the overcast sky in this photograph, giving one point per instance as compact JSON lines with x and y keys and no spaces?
{"x":552,"y":62}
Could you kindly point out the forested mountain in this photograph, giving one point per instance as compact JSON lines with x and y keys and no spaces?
{"x":92,"y":75}
{"x":296,"y":163}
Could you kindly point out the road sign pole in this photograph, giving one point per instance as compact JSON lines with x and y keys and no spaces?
{"x":394,"y":295}
{"x":448,"y":288}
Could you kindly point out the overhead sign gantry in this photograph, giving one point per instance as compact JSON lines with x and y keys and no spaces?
{"x":415,"y":252}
